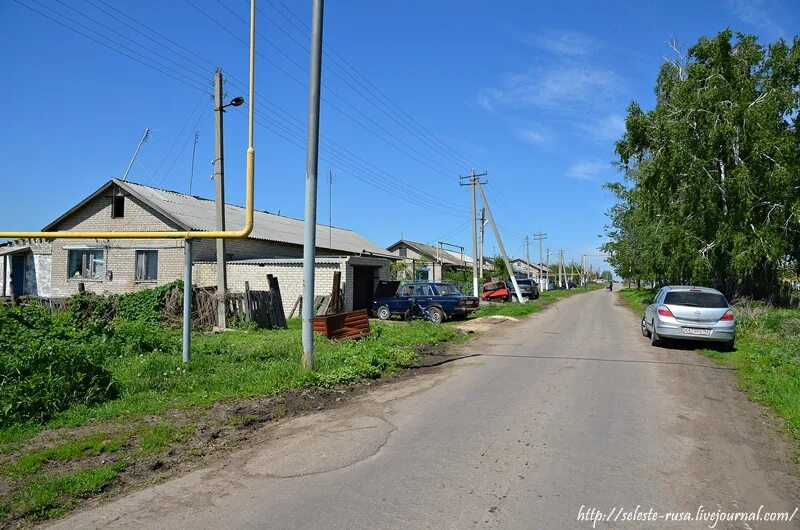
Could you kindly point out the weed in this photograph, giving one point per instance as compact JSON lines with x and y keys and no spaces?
{"x":88,"y":446}
{"x":157,"y":438}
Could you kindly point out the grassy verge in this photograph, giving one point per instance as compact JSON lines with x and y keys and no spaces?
{"x":766,"y":358}
{"x":47,"y":468}
{"x":513,"y":309}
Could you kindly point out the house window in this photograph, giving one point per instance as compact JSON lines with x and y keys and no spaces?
{"x":146,"y":265}
{"x":118,"y":207}
{"x":403,"y":252}
{"x":85,"y":264}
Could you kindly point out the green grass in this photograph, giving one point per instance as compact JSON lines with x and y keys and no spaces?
{"x":240,"y":364}
{"x":51,"y":496}
{"x":515,"y":309}
{"x":766,"y":358}
{"x":81,"y":448}
{"x":157,"y":438}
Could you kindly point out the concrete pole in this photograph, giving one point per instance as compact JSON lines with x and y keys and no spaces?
{"x":187,"y":300}
{"x":219,"y":181}
{"x":312,"y":162}
{"x":474,"y":237}
{"x":528,"y":256}
{"x":5,"y":269}
{"x":483,"y":225}
{"x":541,"y":287}
{"x":500,"y":244}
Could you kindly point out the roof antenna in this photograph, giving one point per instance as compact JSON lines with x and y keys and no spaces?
{"x":194,"y":149}
{"x":145,"y":136}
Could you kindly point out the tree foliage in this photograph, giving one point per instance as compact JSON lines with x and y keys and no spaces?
{"x":711,"y":189}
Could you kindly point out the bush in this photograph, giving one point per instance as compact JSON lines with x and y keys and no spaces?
{"x":94,"y":311}
{"x":46,"y":368}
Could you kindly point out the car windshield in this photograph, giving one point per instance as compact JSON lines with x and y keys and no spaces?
{"x":445,"y":289}
{"x":696,"y":299}
{"x":491,"y":287}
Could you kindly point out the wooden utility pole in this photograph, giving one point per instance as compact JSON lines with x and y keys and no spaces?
{"x":219,"y":181}
{"x":473,"y":179}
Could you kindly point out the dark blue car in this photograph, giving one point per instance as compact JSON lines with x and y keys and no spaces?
{"x":441,"y":299}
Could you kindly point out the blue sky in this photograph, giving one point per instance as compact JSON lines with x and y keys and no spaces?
{"x":415,"y":93}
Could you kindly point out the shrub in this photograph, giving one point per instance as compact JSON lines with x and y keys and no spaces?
{"x":47,"y":365}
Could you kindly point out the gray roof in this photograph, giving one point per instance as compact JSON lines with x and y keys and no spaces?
{"x":433,"y":253}
{"x":8,"y":250}
{"x":197,"y":213}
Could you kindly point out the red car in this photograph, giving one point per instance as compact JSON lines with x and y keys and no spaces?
{"x":496,"y":292}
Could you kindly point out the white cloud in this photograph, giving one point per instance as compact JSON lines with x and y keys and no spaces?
{"x":590,"y":170}
{"x":553,"y":87}
{"x":757,"y":13}
{"x":531,"y":136}
{"x":563,"y":42}
{"x":609,"y":127}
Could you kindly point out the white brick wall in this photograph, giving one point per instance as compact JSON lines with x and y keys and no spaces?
{"x":119,"y":254}
{"x":290,"y":276}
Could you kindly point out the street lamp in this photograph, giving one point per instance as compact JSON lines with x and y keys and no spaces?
{"x":235,"y":102}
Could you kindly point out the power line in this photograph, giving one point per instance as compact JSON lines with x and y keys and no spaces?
{"x":148,"y":64}
{"x":340,"y":60}
{"x":417,"y":154}
{"x":372,"y":99}
{"x":177,"y":136}
{"x":95,"y":21}
{"x":183,"y":148}
{"x":355,"y":168}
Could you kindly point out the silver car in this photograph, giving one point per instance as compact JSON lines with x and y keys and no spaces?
{"x":690,"y":313}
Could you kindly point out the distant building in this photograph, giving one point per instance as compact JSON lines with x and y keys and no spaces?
{"x":425,"y":262}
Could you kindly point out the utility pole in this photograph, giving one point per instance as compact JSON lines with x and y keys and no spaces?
{"x":528,"y":256}
{"x":473,"y":178}
{"x":547,"y":274}
{"x":540,"y":237}
{"x":483,"y":225}
{"x":219,"y":181}
{"x":500,"y":244}
{"x":312,"y":163}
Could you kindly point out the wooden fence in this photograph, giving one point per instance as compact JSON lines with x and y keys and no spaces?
{"x":265,"y":308}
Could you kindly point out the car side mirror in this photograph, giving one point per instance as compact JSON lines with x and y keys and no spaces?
{"x":647,"y":301}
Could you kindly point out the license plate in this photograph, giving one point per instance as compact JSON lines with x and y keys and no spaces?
{"x":696,"y":331}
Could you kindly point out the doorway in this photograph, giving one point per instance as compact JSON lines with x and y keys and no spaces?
{"x":364,"y":279}
{"x":18,"y":274}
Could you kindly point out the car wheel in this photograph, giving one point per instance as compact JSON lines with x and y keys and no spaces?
{"x":645,"y":332}
{"x":437,"y":315}
{"x":655,"y":340}
{"x":384,"y":313}
{"x":727,"y":346}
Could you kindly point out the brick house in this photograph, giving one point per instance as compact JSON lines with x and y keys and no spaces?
{"x":125,"y":265}
{"x":426,"y":262}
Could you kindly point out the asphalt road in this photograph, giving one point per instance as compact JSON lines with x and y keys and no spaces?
{"x":569,"y":408}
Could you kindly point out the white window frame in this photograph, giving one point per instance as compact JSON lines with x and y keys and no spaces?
{"x":86,"y":266}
